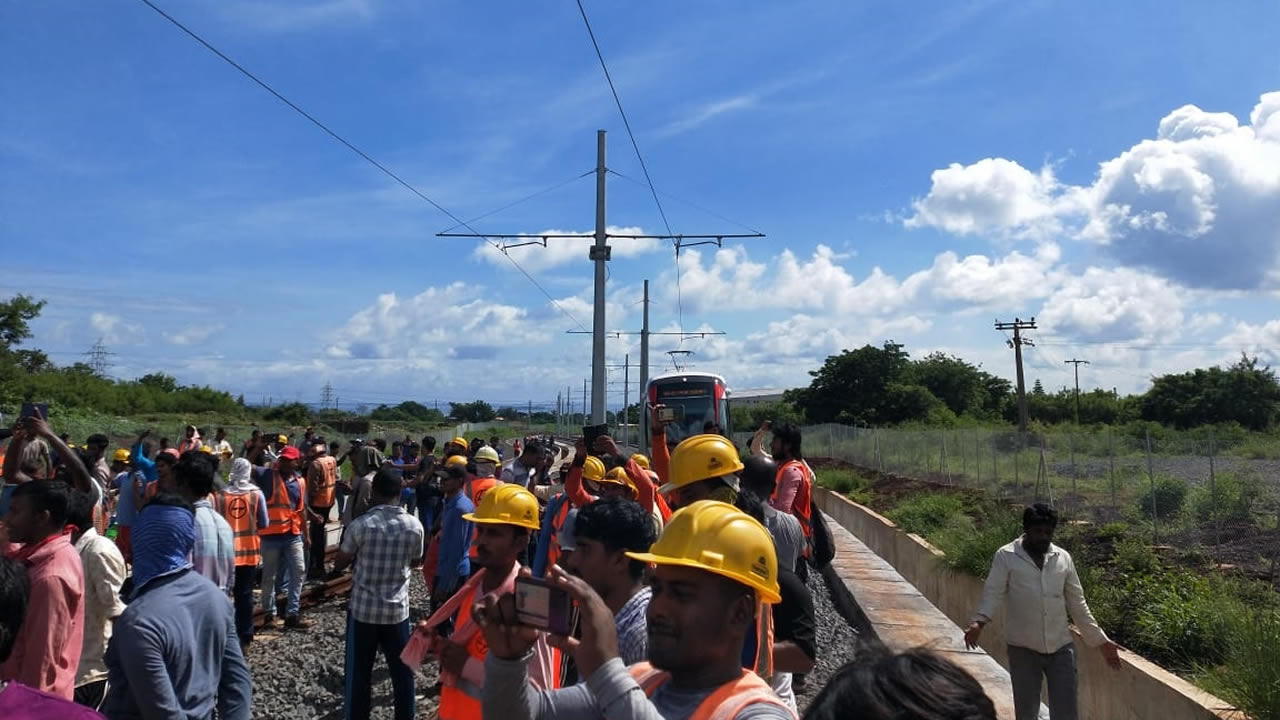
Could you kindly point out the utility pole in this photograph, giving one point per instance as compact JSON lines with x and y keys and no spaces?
{"x":1077,"y":364}
{"x":587,"y":417}
{"x":1017,"y":326}
{"x":600,"y":255}
{"x":626,"y":385}
{"x":644,"y":374}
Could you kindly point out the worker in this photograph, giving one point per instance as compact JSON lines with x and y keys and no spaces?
{"x":521,"y":468}
{"x":486,"y":461}
{"x":916,"y":684}
{"x":190,"y":440}
{"x":245,"y":510}
{"x":547,"y":553}
{"x":714,"y":568}
{"x":282,"y":543}
{"x":322,"y":480}
{"x":760,"y":476}
{"x":452,"y":562}
{"x":503,"y":522}
{"x":703,"y":467}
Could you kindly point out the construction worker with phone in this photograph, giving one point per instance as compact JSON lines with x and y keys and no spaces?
{"x":714,"y":567}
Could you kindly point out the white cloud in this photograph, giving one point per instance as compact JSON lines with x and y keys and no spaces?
{"x":563,"y":251}
{"x":193,"y":335}
{"x":1120,"y":304}
{"x":708,"y":111}
{"x":114,"y":330}
{"x":1199,"y":203}
{"x":1262,"y":341}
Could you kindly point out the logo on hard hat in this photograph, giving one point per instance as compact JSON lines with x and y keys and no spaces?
{"x":761,"y":567}
{"x":713,"y":463}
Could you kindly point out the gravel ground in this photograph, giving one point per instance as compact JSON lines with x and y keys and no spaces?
{"x":837,"y":641}
{"x":298,"y":675}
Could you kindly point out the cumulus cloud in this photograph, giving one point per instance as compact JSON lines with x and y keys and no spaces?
{"x":563,"y":251}
{"x":1262,"y":340}
{"x":1199,"y":203}
{"x":1106,"y":305}
{"x":114,"y":330}
{"x":193,"y":335}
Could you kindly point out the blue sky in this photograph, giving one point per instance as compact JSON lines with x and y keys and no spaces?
{"x":920,"y":169}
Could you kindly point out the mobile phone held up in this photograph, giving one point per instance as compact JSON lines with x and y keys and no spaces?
{"x":591,"y":432}
{"x":670,"y":414}
{"x":541,"y":606}
{"x":40,"y":410}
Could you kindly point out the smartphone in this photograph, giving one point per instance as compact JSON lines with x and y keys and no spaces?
{"x":591,"y":432}
{"x":31,"y":410}
{"x":666,"y":414}
{"x":541,"y":606}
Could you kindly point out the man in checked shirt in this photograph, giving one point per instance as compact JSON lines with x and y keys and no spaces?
{"x":1036,"y":582}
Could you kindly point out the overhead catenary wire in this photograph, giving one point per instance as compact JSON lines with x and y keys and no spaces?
{"x":383,"y":168}
{"x":524,"y":199}
{"x":626,"y":123}
{"x":690,"y":203}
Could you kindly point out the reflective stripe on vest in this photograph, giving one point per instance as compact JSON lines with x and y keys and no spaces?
{"x":320,"y":489}
{"x":283,"y":518}
{"x":241,"y":513}
{"x":725,"y":703}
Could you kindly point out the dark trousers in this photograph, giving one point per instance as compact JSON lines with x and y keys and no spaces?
{"x":363,"y":642}
{"x":1028,"y":669}
{"x":242,"y":592}
{"x":319,"y":539}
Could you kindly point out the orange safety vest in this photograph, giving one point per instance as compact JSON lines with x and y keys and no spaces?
{"x":186,"y":444}
{"x":724,"y":703}
{"x":283,"y":518}
{"x":461,"y":701}
{"x":476,"y":488}
{"x":804,"y":497}
{"x":323,"y":479}
{"x":557,"y":522}
{"x":241,"y":512}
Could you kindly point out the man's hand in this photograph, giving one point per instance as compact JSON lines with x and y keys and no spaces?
{"x":580,"y":448}
{"x":972,"y":634}
{"x":506,"y":636}
{"x":144,"y":434}
{"x":1111,"y":653}
{"x":599,"y":642}
{"x":606,"y":445}
{"x":38,"y":426}
{"x":454,"y":656}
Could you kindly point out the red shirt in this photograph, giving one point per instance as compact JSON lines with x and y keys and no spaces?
{"x":46,"y":652}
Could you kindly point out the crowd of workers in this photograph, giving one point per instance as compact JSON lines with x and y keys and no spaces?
{"x":127,"y":584}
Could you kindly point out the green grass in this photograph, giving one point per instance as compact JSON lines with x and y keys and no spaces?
{"x":927,"y":513}
{"x":1251,"y":677}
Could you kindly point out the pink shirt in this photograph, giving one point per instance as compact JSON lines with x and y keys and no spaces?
{"x":46,"y":652}
{"x":790,"y":478}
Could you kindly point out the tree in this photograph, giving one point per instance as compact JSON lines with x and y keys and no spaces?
{"x":1037,"y":389}
{"x":15,"y":315}
{"x":159,"y":381}
{"x":964,"y":388}
{"x":852,"y":387}
{"x":1243,"y":393}
{"x":476,"y":411}
{"x":407,"y":411}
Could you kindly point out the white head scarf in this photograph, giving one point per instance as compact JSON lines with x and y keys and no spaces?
{"x":240,"y":480}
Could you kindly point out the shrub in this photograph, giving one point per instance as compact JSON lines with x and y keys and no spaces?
{"x":1250,"y":677}
{"x":927,"y":513}
{"x":970,"y":549}
{"x":1230,"y":499}
{"x":1170,"y":494}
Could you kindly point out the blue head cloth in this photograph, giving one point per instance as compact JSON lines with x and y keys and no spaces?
{"x":162,"y":538}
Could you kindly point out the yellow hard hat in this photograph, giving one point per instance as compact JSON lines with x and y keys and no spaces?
{"x":507,"y":504}
{"x":120,"y":455}
{"x":641,"y":460}
{"x":206,"y":449}
{"x":593,"y":469}
{"x":456,"y":461}
{"x":460,"y":442}
{"x":701,"y":457}
{"x":719,"y":538}
{"x":282,"y":439}
{"x":487,"y":454}
{"x":618,"y":476}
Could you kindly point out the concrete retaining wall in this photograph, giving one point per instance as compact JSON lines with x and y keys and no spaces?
{"x":1140,"y":689}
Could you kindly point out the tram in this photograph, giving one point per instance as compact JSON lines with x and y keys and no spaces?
{"x":697,"y":399}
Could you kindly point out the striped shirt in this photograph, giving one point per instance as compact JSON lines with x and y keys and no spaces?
{"x":633,"y":628}
{"x":214,"y":554}
{"x":385,"y":540}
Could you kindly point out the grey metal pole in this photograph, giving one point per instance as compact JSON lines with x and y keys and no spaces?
{"x":626,"y":396}
{"x":588,"y":416}
{"x":600,"y":254}
{"x":644,"y":375}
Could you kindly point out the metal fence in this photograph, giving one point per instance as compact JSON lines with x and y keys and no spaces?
{"x":1189,"y":489}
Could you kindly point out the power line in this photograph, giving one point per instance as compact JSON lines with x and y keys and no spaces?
{"x":636,"y":146}
{"x":385,"y":170}
{"x":690,"y":203}
{"x":526,"y":198}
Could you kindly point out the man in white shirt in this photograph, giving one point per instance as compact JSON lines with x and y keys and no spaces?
{"x":1036,"y":582}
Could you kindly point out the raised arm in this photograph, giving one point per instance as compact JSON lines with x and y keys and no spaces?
{"x":80,"y":477}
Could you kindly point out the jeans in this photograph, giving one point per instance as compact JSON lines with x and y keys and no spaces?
{"x":430,"y":501}
{"x":283,"y":550}
{"x":363,"y":642}
{"x":319,"y":540}
{"x":242,"y":593}
{"x":1026,"y":670}
{"x":341,"y":496}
